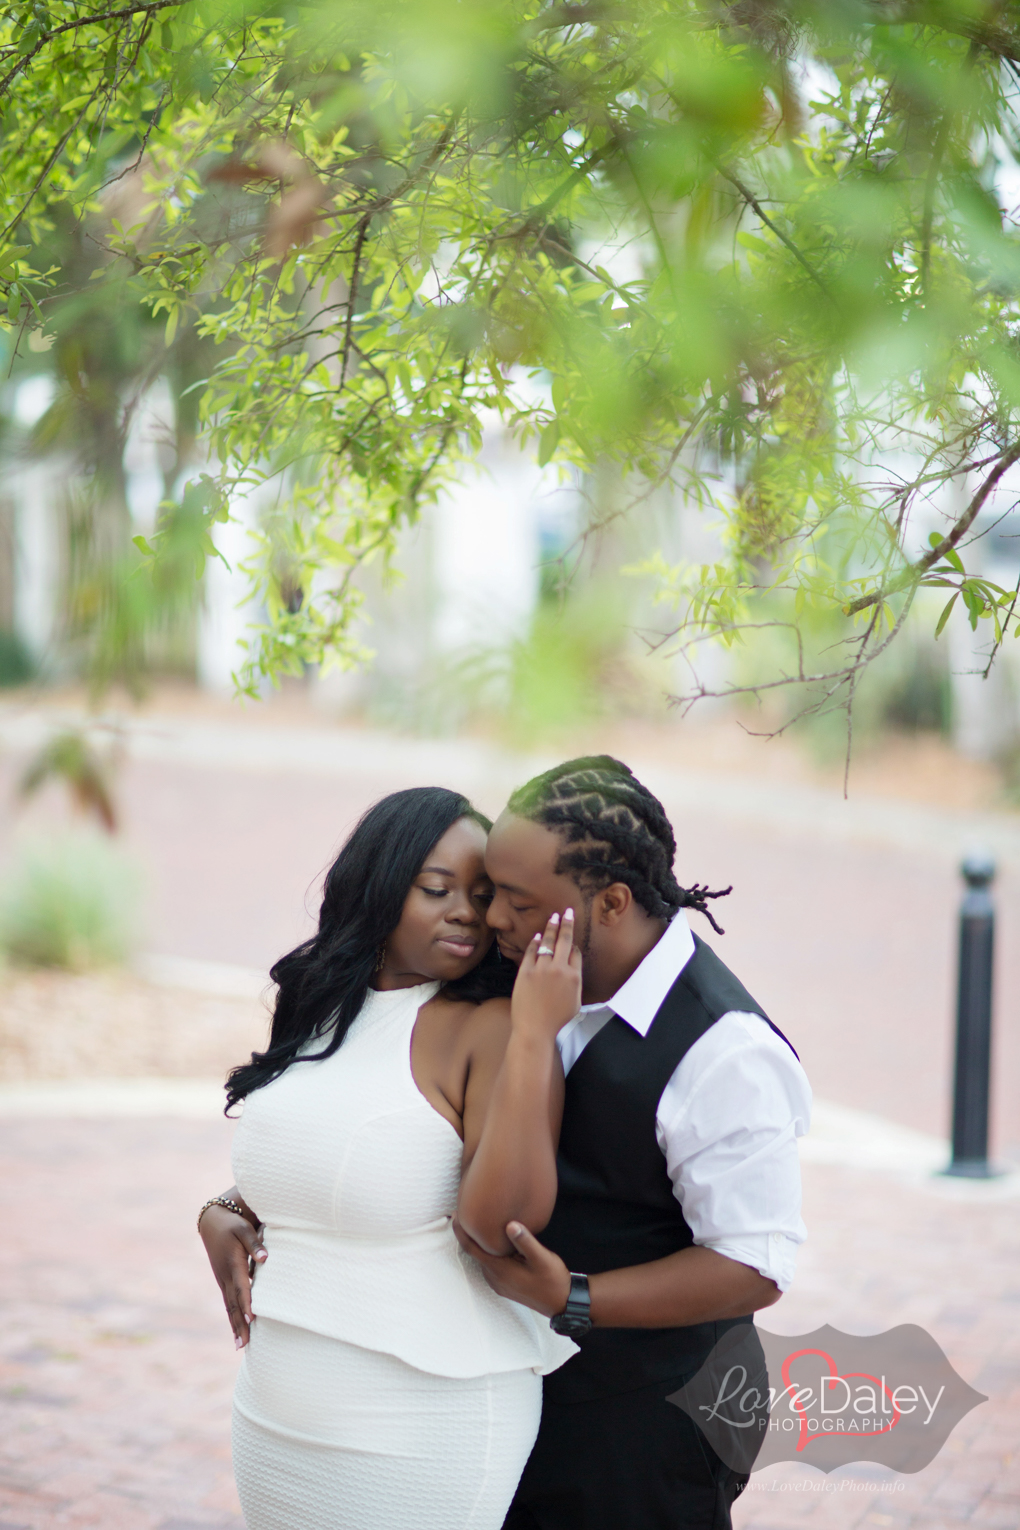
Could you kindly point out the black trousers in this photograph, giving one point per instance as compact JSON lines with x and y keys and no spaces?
{"x":632,"y":1461}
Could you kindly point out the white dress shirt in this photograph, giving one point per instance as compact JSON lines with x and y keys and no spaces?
{"x":727,"y":1121}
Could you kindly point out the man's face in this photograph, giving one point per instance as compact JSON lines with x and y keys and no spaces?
{"x":520,"y":858}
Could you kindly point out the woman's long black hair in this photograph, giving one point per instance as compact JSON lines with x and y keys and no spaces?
{"x":322,"y":983}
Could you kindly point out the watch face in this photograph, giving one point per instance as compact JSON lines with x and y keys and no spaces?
{"x":572,"y":1327}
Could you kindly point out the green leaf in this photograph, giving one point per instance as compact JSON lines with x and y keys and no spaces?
{"x":13,"y":253}
{"x":975,"y":605}
{"x":171,"y":327}
{"x":548,"y":442}
{"x":13,"y":301}
{"x":946,"y":613}
{"x":752,"y":242}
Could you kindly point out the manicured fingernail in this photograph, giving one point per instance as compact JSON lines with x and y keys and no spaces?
{"x":569,"y":914}
{"x":247,"y":1319}
{"x":514,"y":1229}
{"x":238,"y":1342}
{"x":260,"y":1253}
{"x":536,"y":937}
{"x":555,"y":919}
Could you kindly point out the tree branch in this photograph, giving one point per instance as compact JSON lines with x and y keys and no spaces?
{"x":931,"y":181}
{"x":1004,"y":629}
{"x":86,"y":21}
{"x":352,"y":297}
{"x":752,"y":202}
{"x":983,"y":33}
{"x":916,"y":571}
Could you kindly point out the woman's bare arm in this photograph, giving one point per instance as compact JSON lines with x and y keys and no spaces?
{"x":514,"y":1102}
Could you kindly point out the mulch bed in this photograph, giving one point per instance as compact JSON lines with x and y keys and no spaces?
{"x":114,"y":1025}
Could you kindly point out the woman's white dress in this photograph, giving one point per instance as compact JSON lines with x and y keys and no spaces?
{"x":385,"y":1385}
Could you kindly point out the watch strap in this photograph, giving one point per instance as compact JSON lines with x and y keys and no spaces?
{"x":575,"y":1319}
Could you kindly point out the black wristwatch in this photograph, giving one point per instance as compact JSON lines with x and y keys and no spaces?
{"x":575,"y":1319}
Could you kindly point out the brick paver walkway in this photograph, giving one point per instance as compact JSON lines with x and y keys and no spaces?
{"x":880,"y":1253}
{"x":117,"y":1364}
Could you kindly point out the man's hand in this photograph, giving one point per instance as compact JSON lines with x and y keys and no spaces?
{"x":695,"y":1285}
{"x":532,"y":1275}
{"x":230,"y":1241}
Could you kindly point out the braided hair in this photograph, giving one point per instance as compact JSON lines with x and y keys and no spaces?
{"x":615,"y":831}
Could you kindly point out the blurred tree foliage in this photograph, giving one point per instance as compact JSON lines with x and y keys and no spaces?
{"x":105,"y":351}
{"x":387,"y":219}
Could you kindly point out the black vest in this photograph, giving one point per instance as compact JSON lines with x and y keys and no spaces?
{"x":616,"y":1205}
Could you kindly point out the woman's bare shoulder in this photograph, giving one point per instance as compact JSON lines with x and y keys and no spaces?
{"x":464,"y":1015}
{"x":489,"y":1024}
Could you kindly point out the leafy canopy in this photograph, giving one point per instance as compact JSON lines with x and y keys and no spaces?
{"x":754,"y":248}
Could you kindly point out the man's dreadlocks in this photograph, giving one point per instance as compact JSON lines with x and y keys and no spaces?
{"x":615,"y":831}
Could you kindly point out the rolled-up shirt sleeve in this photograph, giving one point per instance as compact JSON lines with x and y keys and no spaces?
{"x":727,"y":1123}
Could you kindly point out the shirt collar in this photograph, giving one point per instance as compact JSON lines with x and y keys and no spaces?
{"x":639,"y":999}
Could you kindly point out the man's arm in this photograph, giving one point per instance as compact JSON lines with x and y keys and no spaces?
{"x":727,"y":1125}
{"x":696,"y":1285}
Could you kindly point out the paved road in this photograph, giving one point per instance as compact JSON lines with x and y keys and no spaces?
{"x":116,"y":1365}
{"x":842,"y":920}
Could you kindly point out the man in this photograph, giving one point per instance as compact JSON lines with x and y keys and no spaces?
{"x":678,"y":1209}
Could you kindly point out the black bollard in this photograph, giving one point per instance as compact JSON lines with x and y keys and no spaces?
{"x":974,"y":1022}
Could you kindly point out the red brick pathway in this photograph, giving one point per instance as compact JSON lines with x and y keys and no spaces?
{"x":116,"y":1364}
{"x":881,"y":1253}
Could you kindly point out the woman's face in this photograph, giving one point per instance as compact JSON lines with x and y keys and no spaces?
{"x":442,"y":932}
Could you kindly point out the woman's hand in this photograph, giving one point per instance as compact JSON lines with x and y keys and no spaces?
{"x":547,"y":993}
{"x":230,"y":1241}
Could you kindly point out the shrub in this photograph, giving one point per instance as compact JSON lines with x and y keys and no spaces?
{"x":69,"y":901}
{"x":15,"y":662}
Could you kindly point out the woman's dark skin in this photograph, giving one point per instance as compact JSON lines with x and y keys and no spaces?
{"x":457,"y":1052}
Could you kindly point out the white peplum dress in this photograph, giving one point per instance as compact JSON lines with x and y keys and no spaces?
{"x":385,"y":1385}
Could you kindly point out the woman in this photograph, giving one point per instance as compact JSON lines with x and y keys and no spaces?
{"x":383,"y":1383}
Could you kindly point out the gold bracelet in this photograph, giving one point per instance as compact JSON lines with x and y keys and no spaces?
{"x":219,"y":1200}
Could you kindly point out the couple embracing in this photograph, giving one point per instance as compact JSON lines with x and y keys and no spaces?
{"x":520,"y":1150}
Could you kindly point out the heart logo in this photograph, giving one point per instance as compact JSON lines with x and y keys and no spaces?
{"x":806,"y":1434}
